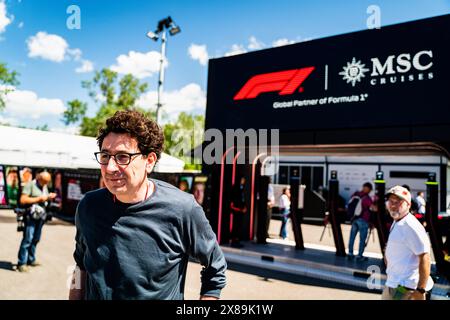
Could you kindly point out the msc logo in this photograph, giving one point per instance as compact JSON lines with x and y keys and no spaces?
{"x":283,"y":82}
{"x":404,"y":67}
{"x":354,"y":71}
{"x":403,"y":63}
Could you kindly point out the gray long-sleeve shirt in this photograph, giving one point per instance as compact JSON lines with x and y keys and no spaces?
{"x":141,"y":251}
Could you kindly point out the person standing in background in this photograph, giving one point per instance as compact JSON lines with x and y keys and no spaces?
{"x":270,"y":204}
{"x":285,"y":208}
{"x":239,"y":209}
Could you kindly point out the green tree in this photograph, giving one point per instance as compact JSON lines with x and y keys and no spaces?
{"x":111,"y":93}
{"x":75,"y":111}
{"x":7,"y":79}
{"x":43,"y":127}
{"x":184,"y":135}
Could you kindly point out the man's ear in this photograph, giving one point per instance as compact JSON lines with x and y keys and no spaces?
{"x":151,"y":161}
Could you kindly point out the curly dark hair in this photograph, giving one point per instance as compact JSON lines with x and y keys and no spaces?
{"x":148,"y":134}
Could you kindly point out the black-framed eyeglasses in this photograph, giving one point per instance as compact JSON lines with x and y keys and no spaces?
{"x":121,"y":158}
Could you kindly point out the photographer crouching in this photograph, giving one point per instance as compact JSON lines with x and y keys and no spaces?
{"x":34,"y":198}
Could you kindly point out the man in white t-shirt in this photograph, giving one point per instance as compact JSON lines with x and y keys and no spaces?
{"x":407,"y":251}
{"x":285,"y":207}
{"x":421,"y":202}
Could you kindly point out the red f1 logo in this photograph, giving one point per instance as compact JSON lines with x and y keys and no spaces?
{"x":286,"y":82}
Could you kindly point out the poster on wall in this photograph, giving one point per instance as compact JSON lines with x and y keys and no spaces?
{"x":2,"y":188}
{"x":74,"y":190}
{"x":12,"y":185}
{"x":75,"y":184}
{"x":351,"y":178}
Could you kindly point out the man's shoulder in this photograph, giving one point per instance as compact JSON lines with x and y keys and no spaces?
{"x":95,"y":196}
{"x":172,"y":195}
{"x":90,"y":203}
{"x":410,"y":226}
{"x":357,"y":194}
{"x":412,"y":222}
{"x":168,"y":188}
{"x":26,"y":188}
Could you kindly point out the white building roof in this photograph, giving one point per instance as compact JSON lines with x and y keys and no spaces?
{"x":35,"y":148}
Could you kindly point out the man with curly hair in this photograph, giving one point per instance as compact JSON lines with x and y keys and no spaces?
{"x":134,"y":237}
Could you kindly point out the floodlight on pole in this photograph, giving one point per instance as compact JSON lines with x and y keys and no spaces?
{"x":161,"y":33}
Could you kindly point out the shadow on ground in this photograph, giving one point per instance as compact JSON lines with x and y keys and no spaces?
{"x":267,"y":275}
{"x":7,"y":265}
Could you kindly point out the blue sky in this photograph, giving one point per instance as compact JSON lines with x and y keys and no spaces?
{"x":35,"y":41}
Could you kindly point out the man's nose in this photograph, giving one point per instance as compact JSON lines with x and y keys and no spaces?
{"x":112,"y":165}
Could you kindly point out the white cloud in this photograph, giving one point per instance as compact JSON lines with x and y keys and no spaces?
{"x":27,"y":104}
{"x":141,"y":65}
{"x":190,"y":98}
{"x":47,"y":46}
{"x":86,"y":66}
{"x":198,"y":52}
{"x":4,"y":19}
{"x":282,"y":42}
{"x":255,"y":44}
{"x":20,"y":25}
{"x":55,"y":48}
{"x":75,"y":54}
{"x":8,"y":120}
{"x":6,"y":87}
{"x":235,"y":49}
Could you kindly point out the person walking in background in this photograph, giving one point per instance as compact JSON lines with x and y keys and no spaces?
{"x":285,"y":209}
{"x":35,"y":195}
{"x":270,"y":204}
{"x":421,"y":208}
{"x":239,"y":209}
{"x":407,"y":251}
{"x":420,"y":203}
{"x":359,"y":208}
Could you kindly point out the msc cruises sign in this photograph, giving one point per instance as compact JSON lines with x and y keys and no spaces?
{"x":405,"y":67}
{"x":348,"y":81}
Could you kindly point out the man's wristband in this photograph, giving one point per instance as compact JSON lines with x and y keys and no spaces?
{"x":421,"y":290}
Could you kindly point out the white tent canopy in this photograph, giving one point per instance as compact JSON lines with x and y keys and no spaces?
{"x":35,"y":148}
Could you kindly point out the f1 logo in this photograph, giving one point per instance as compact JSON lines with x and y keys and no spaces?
{"x":285,"y":82}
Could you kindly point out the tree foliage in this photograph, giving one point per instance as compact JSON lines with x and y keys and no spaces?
{"x":185,"y":134}
{"x":111,"y":93}
{"x":75,"y":111}
{"x":8,"y":79}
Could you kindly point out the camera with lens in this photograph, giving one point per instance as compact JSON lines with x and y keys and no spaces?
{"x":20,"y":218}
{"x":20,"y":224}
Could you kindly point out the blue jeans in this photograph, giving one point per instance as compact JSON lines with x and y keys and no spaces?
{"x":362,"y":226}
{"x":284,"y":220}
{"x":31,"y":237}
